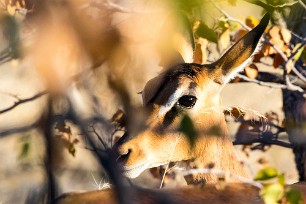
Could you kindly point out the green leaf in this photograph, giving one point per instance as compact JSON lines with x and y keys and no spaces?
{"x":24,"y":150}
{"x":298,"y":54}
{"x":272,"y":193}
{"x":281,"y":179}
{"x":232,"y":2}
{"x":205,"y":32}
{"x":294,"y":196}
{"x":266,"y":174}
{"x":188,"y":129}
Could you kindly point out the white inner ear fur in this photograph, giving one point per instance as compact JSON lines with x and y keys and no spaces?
{"x":231,"y":75}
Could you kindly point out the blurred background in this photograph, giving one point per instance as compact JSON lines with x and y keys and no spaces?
{"x":70,"y":66}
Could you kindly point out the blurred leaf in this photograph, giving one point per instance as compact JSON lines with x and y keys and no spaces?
{"x":235,"y":112}
{"x":188,"y":129}
{"x":205,"y":32}
{"x":11,"y":33}
{"x":24,"y":150}
{"x":71,"y":149}
{"x":281,"y":179}
{"x":266,"y":174}
{"x":294,"y":196}
{"x":232,"y":2}
{"x":286,"y":35}
{"x":187,"y":27}
{"x":239,"y":34}
{"x":258,"y":56}
{"x":223,"y":24}
{"x":278,"y":60}
{"x":299,"y":52}
{"x":198,"y":54}
{"x":251,"y":71}
{"x":224,"y":40}
{"x":251,"y":21}
{"x":271,"y":194}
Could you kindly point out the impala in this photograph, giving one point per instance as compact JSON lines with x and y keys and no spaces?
{"x":194,"y":90}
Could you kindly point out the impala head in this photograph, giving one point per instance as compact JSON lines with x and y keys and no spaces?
{"x":191,"y":89}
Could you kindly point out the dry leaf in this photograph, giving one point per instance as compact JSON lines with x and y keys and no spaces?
{"x":278,"y":60}
{"x":199,"y":54}
{"x":224,"y":40}
{"x":286,"y":35}
{"x":239,"y":34}
{"x":251,"y":71}
{"x":251,"y":21}
{"x":268,"y":50}
{"x":235,"y":112}
{"x":258,"y":56}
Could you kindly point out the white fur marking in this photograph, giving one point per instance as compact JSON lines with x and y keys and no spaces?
{"x":171,"y":101}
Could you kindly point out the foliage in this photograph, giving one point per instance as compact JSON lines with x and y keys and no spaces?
{"x":275,"y":191}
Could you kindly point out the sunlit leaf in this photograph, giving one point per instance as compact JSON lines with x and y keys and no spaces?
{"x":299,"y":52}
{"x":205,"y":32}
{"x":286,"y":35}
{"x":187,"y":27}
{"x":294,"y":196}
{"x":251,"y":21}
{"x":281,"y":179}
{"x":232,"y":2}
{"x":224,"y":40}
{"x":278,"y":60}
{"x":188,"y":129}
{"x":266,"y":174}
{"x":11,"y":32}
{"x":251,"y":71}
{"x":271,"y":194}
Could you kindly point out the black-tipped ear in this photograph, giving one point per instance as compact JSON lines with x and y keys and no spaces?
{"x":240,"y":53}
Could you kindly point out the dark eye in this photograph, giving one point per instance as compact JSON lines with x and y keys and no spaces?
{"x":187,"y":101}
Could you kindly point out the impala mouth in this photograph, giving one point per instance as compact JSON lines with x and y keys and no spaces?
{"x":134,"y":171}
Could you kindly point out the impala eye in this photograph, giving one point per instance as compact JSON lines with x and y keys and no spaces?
{"x":187,"y":101}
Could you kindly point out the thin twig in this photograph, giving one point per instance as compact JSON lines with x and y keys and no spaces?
{"x":166,"y":169}
{"x":19,"y":129}
{"x":302,"y":4}
{"x":265,"y":142}
{"x":271,"y":85}
{"x":21,"y":101}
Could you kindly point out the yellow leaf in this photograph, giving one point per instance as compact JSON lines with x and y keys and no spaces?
{"x":224,"y":40}
{"x":286,"y":35}
{"x":251,"y":21}
{"x":251,"y":71}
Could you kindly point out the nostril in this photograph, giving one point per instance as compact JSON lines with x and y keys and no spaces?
{"x":123,"y":156}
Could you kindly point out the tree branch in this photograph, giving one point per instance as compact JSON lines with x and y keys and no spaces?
{"x":21,"y":101}
{"x":302,"y":4}
{"x":19,"y":129}
{"x":289,"y":86}
{"x":265,"y":142}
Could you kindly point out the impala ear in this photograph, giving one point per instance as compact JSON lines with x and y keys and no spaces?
{"x":240,"y":53}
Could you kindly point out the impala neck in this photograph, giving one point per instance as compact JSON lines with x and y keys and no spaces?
{"x":214,"y":148}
